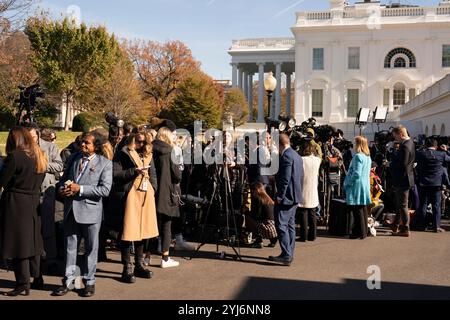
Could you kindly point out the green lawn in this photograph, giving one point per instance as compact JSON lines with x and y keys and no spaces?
{"x":63,"y":139}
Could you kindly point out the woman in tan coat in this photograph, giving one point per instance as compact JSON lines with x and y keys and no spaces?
{"x":133,"y":198}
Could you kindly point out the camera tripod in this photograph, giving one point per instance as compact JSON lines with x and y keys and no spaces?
{"x":222,"y":197}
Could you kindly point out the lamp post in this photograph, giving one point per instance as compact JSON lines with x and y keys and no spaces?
{"x":270,"y":84}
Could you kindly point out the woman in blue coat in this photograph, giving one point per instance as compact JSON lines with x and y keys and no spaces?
{"x":357,"y":187}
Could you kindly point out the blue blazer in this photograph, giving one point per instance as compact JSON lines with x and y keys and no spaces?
{"x":357,"y":181}
{"x":430,"y":167}
{"x":288,"y":178}
{"x":96,"y":182}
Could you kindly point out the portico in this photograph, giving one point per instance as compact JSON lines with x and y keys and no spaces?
{"x":252,"y":59}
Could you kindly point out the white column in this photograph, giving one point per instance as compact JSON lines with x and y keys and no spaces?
{"x":240,"y":79}
{"x":261,"y":92}
{"x":234,"y":75}
{"x":245,"y":85}
{"x":250,"y":97}
{"x":288,"y":94}
{"x":278,"y":90}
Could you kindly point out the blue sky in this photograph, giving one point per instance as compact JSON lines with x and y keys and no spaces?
{"x":206,"y":26}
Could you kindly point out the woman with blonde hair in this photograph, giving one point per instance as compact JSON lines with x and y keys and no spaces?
{"x":133,"y":198}
{"x":357,"y":187}
{"x":20,"y":228}
{"x":168,"y":194}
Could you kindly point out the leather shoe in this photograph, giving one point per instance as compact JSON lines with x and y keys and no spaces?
{"x":88,"y":291}
{"x":280,"y":259}
{"x":61,"y":291}
{"x":19,"y":289}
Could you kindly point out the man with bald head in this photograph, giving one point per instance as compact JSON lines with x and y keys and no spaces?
{"x":287,"y":198}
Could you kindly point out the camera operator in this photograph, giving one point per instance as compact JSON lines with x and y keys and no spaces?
{"x":317,"y":150}
{"x":402,"y":172}
{"x":345,"y":147}
{"x":333,"y":156}
{"x":430,"y":166}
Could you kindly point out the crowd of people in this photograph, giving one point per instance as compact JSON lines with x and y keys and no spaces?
{"x":129,"y":184}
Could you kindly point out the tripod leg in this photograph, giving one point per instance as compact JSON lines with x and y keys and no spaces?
{"x":202,"y":236}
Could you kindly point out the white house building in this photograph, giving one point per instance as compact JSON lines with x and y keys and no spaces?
{"x":350,"y":56}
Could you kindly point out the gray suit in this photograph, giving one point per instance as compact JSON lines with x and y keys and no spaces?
{"x":48,"y":191}
{"x":83,"y":213}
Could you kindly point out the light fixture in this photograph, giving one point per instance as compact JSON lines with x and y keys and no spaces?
{"x":270,"y":83}
{"x":363,"y":116}
{"x":290,"y":122}
{"x":380,"y":115}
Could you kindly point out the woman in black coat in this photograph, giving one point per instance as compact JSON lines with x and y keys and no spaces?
{"x":20,"y":228}
{"x":169,"y":192}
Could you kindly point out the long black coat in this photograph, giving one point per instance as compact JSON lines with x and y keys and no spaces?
{"x":124,"y":174}
{"x":169,"y":177}
{"x":402,"y":165}
{"x":20,"y":227}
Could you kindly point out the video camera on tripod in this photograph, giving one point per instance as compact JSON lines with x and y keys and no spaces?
{"x":115,"y":124}
{"x":27,"y":103}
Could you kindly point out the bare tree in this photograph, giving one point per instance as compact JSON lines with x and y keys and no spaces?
{"x":13,"y":13}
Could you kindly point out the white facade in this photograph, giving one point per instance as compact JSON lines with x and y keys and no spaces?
{"x":415,"y":37}
{"x":430,"y":110}
{"x":362,"y":55}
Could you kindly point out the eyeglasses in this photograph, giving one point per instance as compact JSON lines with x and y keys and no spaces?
{"x":140,"y":141}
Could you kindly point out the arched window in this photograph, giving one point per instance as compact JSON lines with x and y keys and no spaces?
{"x":433,"y":132}
{"x":399,"y":94}
{"x":400,"y":63}
{"x":400,"y":58}
{"x":443,"y":130}
{"x":426,"y":131}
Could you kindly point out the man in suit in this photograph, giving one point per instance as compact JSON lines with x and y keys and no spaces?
{"x":287,"y":198}
{"x":430,"y":171}
{"x":87,"y":179}
{"x":402,"y":173}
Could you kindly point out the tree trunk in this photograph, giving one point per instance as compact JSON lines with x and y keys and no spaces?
{"x":66,"y":122}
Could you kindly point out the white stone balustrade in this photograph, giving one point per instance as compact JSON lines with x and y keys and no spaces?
{"x":352,"y":12}
{"x":435,"y":91}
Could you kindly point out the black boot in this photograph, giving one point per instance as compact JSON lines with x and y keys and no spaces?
{"x":127,"y":273}
{"x":139,"y":269}
{"x":38,"y":283}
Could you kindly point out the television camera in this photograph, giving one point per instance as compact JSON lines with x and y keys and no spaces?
{"x":115,"y":126}
{"x":27,"y":103}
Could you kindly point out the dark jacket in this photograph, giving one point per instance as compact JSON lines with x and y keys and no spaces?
{"x":402,"y":165}
{"x":124,"y":174}
{"x":430,"y":167}
{"x":262,"y":212}
{"x":288,"y":178}
{"x":254,"y":170}
{"x":20,"y":227}
{"x":169,"y":178}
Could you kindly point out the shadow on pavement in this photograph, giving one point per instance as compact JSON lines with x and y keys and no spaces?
{"x":282,"y":289}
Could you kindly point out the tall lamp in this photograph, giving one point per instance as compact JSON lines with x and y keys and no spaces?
{"x":270,"y":84}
